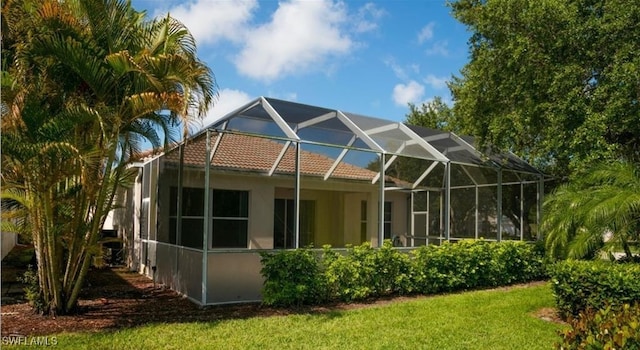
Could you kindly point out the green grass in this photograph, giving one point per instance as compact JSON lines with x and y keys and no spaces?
{"x":497,"y":319}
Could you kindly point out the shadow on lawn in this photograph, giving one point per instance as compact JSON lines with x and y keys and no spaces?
{"x":116,"y":298}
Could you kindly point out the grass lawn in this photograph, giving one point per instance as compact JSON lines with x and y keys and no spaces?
{"x":491,"y":319}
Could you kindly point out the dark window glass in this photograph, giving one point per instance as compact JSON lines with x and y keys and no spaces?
{"x":192,"y":201}
{"x":387,"y":220}
{"x":171,"y":238}
{"x":173,"y":201}
{"x":192,"y":233}
{"x":229,"y":233}
{"x":230,"y":204}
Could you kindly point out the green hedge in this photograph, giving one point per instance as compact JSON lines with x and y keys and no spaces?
{"x":582,"y":285}
{"x":295,"y":277}
{"x":613,"y":327}
{"x":292,"y":277}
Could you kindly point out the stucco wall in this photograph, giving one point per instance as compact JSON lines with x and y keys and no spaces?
{"x":9,"y":241}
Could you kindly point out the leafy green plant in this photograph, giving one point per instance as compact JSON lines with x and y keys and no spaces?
{"x":362,"y":272}
{"x":393,"y":271}
{"x":292,"y":277}
{"x":581,"y":285}
{"x":32,"y":290}
{"x":476,"y":264}
{"x":613,"y":327}
{"x":351,"y":276}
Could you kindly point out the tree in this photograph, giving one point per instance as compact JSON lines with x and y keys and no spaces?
{"x":84,"y":84}
{"x":557,"y":82}
{"x":601,"y":210}
{"x":435,"y":114}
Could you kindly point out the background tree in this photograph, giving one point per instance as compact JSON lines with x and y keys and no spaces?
{"x":85,"y":83}
{"x":557,"y":82}
{"x":435,"y":114}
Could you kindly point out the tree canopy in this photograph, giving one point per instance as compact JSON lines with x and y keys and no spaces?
{"x":435,"y":114}
{"x":557,"y":82}
{"x":85,"y":84}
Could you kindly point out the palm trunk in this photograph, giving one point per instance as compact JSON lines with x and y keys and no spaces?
{"x":92,"y":234}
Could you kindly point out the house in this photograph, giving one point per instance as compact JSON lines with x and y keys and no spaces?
{"x":277,"y":175}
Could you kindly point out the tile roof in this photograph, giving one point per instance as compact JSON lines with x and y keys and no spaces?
{"x":256,"y":154}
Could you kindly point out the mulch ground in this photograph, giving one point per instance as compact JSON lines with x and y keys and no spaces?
{"x":116,"y":298}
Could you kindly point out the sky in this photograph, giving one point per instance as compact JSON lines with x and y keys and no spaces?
{"x":369,"y":58}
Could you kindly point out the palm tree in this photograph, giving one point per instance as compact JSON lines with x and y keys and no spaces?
{"x":599,"y":211}
{"x":88,"y":82}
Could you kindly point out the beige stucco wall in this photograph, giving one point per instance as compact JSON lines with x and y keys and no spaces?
{"x":9,"y":240}
{"x":337,"y":204}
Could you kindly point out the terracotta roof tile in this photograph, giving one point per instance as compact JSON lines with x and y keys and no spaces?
{"x":246,"y":153}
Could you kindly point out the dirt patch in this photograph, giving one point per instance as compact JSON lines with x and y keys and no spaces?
{"x":549,"y":314}
{"x":116,"y":298}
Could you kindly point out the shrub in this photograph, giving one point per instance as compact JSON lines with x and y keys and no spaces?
{"x":580,"y":285}
{"x":300,"y":277}
{"x":363,"y":272}
{"x":393,"y":271}
{"x":613,"y":327}
{"x":292,"y":277}
{"x":32,"y":291}
{"x":517,"y":262}
{"x":350,"y":277}
{"x":476,"y":264}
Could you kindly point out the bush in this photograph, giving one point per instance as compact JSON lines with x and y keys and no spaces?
{"x":350,"y":277}
{"x":32,"y":291}
{"x":581,"y":285}
{"x":476,"y":264}
{"x":292,"y":278}
{"x":364,"y":272}
{"x":298,"y":277}
{"x":613,"y":327}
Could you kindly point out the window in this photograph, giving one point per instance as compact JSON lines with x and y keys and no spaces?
{"x":230,"y":218}
{"x":387,"y":219}
{"x":284,"y":220}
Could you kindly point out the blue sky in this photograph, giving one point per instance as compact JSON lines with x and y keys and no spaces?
{"x":370,"y":58}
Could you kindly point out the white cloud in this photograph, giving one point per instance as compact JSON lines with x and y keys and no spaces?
{"x":367,"y":17}
{"x":411,"y":92}
{"x":437,"y":83}
{"x":211,"y":21}
{"x":426,"y":33}
{"x":398,"y":70}
{"x":300,"y":36}
{"x":439,"y":48}
{"x":228,"y":101}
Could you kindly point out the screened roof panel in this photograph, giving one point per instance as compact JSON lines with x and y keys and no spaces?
{"x":506,"y":160}
{"x":296,"y":121}
{"x":395,"y":138}
{"x":255,"y":126}
{"x":449,"y":145}
{"x":296,"y":113}
{"x":326,"y":136}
